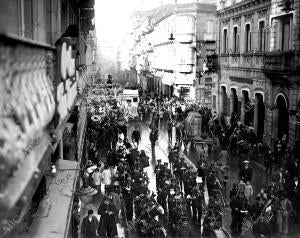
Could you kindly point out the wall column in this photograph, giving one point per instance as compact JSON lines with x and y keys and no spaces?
{"x":222,"y":100}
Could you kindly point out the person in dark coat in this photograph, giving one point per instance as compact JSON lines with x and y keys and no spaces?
{"x":132,"y":158}
{"x":75,"y":219}
{"x":89,"y":226}
{"x":246,"y":172}
{"x":92,"y":152}
{"x":127,"y":194}
{"x":197,"y":205}
{"x":136,"y":136}
{"x":170,"y":128}
{"x":294,"y":195}
{"x":269,"y":162}
{"x":144,"y":159}
{"x":294,"y":170}
{"x":107,"y":225}
{"x":153,"y":138}
{"x":238,"y":210}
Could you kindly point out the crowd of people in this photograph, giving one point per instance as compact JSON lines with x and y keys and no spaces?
{"x":119,"y":179}
{"x":281,"y":192}
{"x":183,"y":193}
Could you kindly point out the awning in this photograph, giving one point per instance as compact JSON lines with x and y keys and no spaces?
{"x":167,"y":79}
{"x":184,"y":79}
{"x":54,"y":213}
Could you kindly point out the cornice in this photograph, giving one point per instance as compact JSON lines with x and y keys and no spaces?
{"x":243,"y":8}
{"x":240,"y":68}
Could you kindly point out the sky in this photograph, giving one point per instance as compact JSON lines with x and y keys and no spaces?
{"x":112,"y":22}
{"x":112,"y":18}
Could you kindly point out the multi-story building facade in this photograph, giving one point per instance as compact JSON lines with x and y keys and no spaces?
{"x":168,"y":39}
{"x":258,"y":50}
{"x":42,"y":114}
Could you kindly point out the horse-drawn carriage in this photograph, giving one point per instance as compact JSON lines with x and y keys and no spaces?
{"x":192,"y":130}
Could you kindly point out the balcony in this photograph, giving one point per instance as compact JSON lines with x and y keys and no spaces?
{"x":27,"y":106}
{"x":87,"y":14}
{"x":279,"y":61}
{"x":212,"y":62}
{"x":210,"y":37}
{"x":185,"y":37}
{"x":185,"y":68}
{"x":86,"y":3}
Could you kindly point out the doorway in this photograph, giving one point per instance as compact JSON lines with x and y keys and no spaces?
{"x":260,"y":115}
{"x":283,"y":116}
{"x":223,"y":102}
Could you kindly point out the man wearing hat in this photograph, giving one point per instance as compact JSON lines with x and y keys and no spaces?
{"x":75,"y":220}
{"x":256,"y":211}
{"x":238,"y":210}
{"x":136,"y":135}
{"x":108,"y":211}
{"x":182,"y":169}
{"x":246,"y":172}
{"x":109,"y":80}
{"x":162,"y":198}
{"x":158,"y":170}
{"x":166,"y":171}
{"x":202,"y":167}
{"x":89,"y":226}
{"x":197,"y":198}
{"x":133,"y":157}
{"x":189,"y":180}
{"x":158,"y":167}
{"x":127,"y":195}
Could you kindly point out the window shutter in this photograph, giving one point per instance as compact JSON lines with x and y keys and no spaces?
{"x":28,"y":19}
{"x":250,"y":40}
{"x":238,"y":43}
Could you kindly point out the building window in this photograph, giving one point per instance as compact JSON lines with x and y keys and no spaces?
{"x":48,"y":23}
{"x":286,"y":33}
{"x":63,"y":16}
{"x":247,"y":37}
{"x":28,"y":19}
{"x":214,"y":102}
{"x":261,"y":36}
{"x":235,"y":39}
{"x":225,"y":38}
{"x":210,"y":27}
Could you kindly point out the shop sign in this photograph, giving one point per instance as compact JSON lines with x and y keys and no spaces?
{"x":66,"y":79}
{"x":241,"y":80}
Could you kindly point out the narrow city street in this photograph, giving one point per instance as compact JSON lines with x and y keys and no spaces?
{"x":191,"y":156}
{"x":91,"y":91}
{"x":161,"y":152}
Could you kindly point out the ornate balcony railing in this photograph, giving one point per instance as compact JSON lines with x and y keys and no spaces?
{"x":278,"y":61}
{"x":209,"y":37}
{"x":27,"y":105}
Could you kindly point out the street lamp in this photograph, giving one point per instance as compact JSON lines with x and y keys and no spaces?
{"x":171,"y":38}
